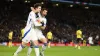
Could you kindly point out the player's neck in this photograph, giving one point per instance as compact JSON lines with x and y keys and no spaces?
{"x":34,"y":11}
{"x":42,"y":15}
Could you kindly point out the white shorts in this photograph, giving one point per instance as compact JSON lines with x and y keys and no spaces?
{"x":29,"y":35}
{"x":39,"y":34}
{"x":90,"y":42}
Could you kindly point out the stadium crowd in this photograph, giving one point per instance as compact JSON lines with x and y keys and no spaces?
{"x":62,"y":21}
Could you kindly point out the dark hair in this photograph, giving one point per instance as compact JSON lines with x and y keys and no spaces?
{"x":37,"y":5}
{"x":44,"y":9}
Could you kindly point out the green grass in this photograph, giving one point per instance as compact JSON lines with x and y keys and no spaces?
{"x":55,"y":51}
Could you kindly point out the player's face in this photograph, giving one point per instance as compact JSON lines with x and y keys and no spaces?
{"x":38,"y":9}
{"x":44,"y":12}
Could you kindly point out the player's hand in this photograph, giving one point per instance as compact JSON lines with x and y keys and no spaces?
{"x":43,"y":27}
{"x":42,"y":23}
{"x":38,"y":20}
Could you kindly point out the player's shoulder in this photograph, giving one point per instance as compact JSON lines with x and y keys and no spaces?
{"x":49,"y":32}
{"x":32,"y":13}
{"x":39,"y":14}
{"x":44,"y":19}
{"x":78,"y":30}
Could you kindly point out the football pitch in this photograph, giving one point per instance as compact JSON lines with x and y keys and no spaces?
{"x":55,"y":51}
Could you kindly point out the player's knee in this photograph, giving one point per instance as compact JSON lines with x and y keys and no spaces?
{"x":23,"y":46}
{"x":31,"y":45}
{"x":44,"y":40}
{"x":45,"y":44}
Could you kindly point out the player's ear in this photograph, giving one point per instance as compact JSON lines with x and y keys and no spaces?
{"x":32,"y":8}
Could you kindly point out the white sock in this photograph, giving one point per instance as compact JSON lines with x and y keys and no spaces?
{"x":37,"y":51}
{"x":29,"y":51}
{"x":43,"y":48}
{"x":19,"y":49}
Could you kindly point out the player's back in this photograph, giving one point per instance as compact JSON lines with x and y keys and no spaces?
{"x":49,"y":35}
{"x":10,"y":35}
{"x":79,"y":34}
